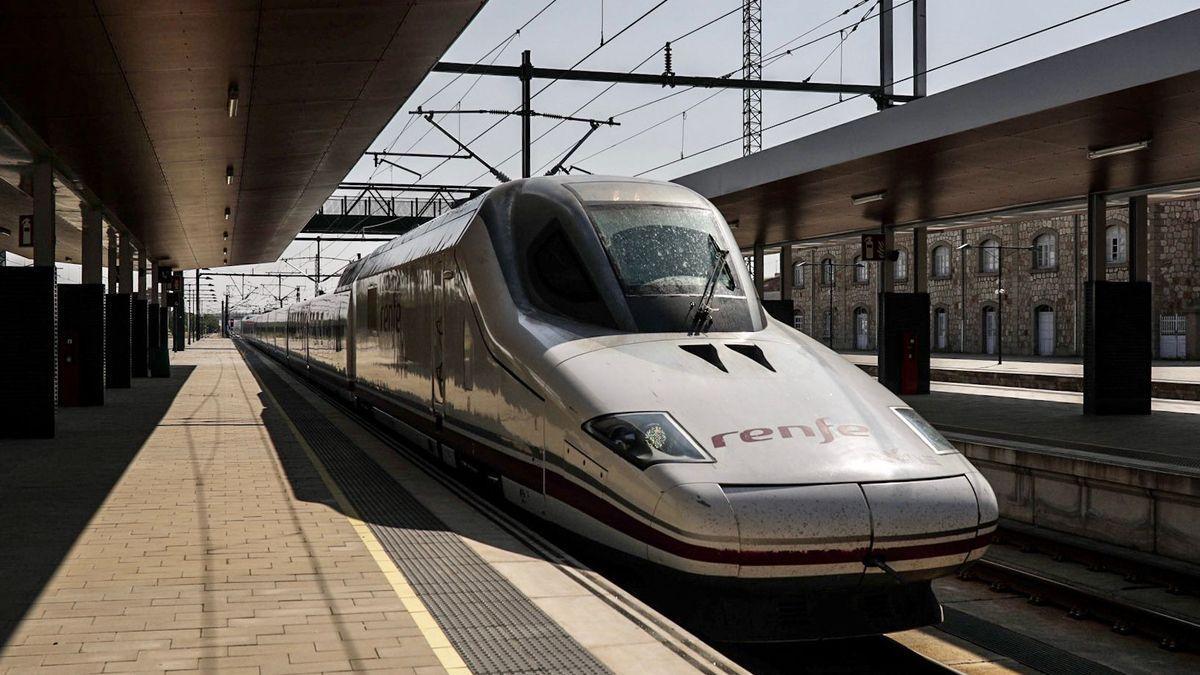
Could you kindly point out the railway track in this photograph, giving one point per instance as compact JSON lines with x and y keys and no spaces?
{"x":1171,"y":627}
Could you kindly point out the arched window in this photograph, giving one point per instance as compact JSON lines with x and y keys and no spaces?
{"x":861,"y":274}
{"x":798,"y":271}
{"x":989,"y":256}
{"x":862,"y":335}
{"x":941,"y":262}
{"x":941,"y":328}
{"x":798,"y":319}
{"x":1116,"y":248}
{"x":900,"y":267}
{"x":1045,"y":251}
{"x":827,"y":330}
{"x":1043,"y":330}
{"x":827,"y":271}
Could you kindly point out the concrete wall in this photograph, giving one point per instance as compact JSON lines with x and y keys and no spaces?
{"x":1130,"y":504}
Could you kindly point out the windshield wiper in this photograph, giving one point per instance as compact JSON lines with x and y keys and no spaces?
{"x":702,"y":319}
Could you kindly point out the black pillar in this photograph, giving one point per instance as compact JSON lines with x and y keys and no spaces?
{"x":903,"y":342}
{"x":118,"y":345}
{"x":155,"y":339}
{"x":1117,"y":341}
{"x":81,"y":344}
{"x":178,"y":332}
{"x":161,"y":365}
{"x":140,"y":362}
{"x":28,"y":352}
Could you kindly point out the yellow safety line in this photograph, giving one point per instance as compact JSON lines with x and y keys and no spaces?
{"x":432,"y":632}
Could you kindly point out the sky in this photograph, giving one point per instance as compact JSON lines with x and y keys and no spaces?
{"x":652,"y":135}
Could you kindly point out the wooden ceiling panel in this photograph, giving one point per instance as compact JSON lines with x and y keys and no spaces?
{"x":132,"y":95}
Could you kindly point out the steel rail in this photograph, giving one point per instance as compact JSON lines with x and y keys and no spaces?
{"x":1172,"y":631}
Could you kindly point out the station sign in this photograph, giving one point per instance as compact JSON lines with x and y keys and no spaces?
{"x":873,"y":247}
{"x":25,"y":227}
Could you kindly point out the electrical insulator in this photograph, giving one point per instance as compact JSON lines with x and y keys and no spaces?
{"x":667,"y":70}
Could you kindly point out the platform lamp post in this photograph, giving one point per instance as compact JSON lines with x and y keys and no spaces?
{"x":1000,"y":249}
{"x":832,"y":279}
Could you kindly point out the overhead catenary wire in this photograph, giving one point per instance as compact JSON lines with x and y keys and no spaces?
{"x":591,"y":53}
{"x":947,"y":64}
{"x":772,"y":56}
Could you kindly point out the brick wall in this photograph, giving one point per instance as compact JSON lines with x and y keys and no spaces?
{"x":1173,"y":257}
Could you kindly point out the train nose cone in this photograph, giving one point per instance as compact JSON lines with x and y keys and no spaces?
{"x":904,"y":531}
{"x":923,"y":529}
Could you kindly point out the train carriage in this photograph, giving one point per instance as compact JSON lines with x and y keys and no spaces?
{"x":592,"y":344}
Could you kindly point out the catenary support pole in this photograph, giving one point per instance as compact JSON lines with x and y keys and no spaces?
{"x":526,"y":77}
{"x":886,"y":48}
{"x":920,"y":41}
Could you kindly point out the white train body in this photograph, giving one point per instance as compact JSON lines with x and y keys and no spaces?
{"x":540,"y":334}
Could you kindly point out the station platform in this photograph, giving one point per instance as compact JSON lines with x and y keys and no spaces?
{"x":1170,"y":379}
{"x":1055,"y":418}
{"x":229,"y":519}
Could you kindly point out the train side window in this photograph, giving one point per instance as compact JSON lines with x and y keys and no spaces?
{"x":559,"y":278}
{"x":372,"y":308}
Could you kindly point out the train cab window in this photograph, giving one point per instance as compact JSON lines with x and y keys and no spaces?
{"x":662,"y":250}
{"x":560,"y":281}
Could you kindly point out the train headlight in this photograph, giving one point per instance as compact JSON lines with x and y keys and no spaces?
{"x":932,"y":437}
{"x":646,"y":438}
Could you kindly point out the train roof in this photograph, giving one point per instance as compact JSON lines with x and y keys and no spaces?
{"x":445,"y":230}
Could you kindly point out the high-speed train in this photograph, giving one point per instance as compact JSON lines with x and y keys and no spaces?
{"x":591,"y":345}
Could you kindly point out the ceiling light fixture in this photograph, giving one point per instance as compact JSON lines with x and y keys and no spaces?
{"x":226,"y":213}
{"x":225,"y":251}
{"x":233,"y":100}
{"x":224,"y":236}
{"x":868,"y":197}
{"x":5,"y":232}
{"x":229,"y":175}
{"x":1117,"y":149}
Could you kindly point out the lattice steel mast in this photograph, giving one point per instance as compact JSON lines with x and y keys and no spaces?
{"x":751,"y":70}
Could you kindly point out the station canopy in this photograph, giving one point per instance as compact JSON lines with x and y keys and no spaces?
{"x":1020,"y":138}
{"x":132,"y":98}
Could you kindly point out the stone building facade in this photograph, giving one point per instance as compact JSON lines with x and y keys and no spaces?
{"x":1042,"y":284}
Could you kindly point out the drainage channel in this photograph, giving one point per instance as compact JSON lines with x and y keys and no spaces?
{"x":494,"y":627}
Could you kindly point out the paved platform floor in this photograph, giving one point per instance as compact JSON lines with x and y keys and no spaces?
{"x":187,"y":525}
{"x":1161,"y":371}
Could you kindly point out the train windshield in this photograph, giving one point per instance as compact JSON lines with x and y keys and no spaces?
{"x":661,"y":249}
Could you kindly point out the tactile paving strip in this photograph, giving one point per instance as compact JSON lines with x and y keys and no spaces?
{"x":493,"y":626}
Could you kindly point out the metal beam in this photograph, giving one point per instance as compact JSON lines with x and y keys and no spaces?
{"x":412,"y":187}
{"x":659,"y":79}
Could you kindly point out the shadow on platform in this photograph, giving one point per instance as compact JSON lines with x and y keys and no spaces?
{"x":51,"y":489}
{"x":380,"y":500}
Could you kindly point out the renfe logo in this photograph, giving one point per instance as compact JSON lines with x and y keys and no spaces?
{"x":827,"y":432}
